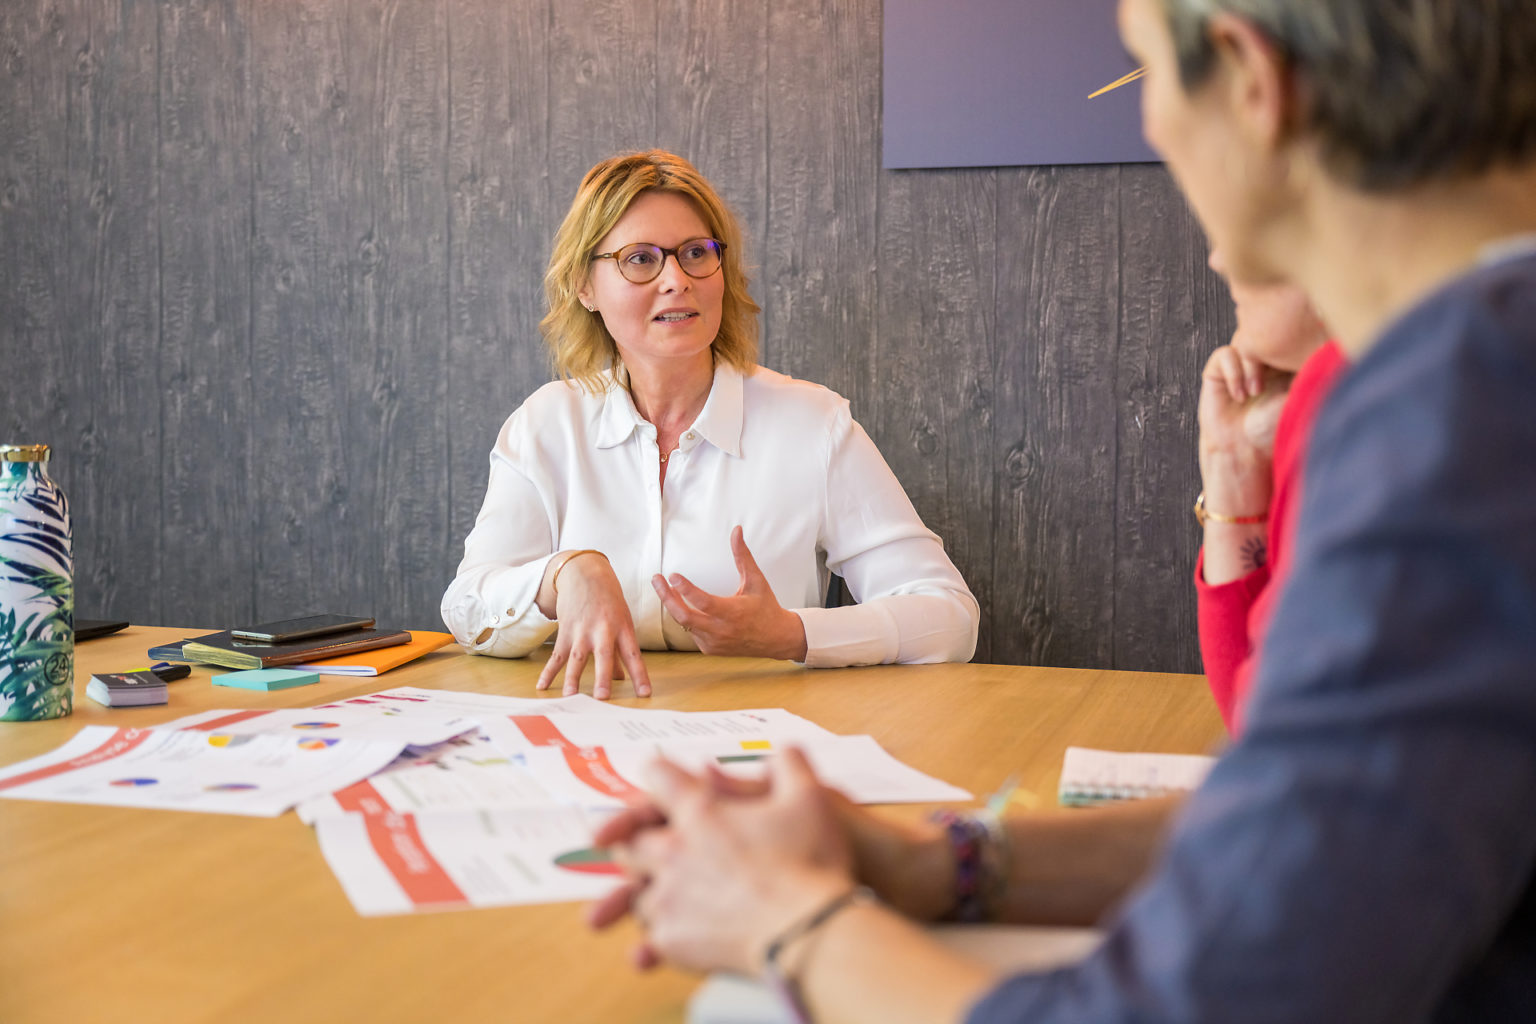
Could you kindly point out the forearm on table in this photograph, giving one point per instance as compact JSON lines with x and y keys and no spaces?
{"x":868,"y":963}
{"x":491,"y":605}
{"x":795,"y":642}
{"x":911,"y":628}
{"x":1071,"y":867}
{"x":1065,"y":867}
{"x":934,"y":626}
{"x":491,"y":609}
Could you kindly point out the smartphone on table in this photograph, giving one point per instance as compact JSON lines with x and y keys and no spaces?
{"x":302,"y":628}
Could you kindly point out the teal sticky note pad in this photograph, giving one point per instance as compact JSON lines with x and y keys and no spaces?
{"x":267,"y":679}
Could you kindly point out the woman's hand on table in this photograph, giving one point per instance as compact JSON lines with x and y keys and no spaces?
{"x":750,"y":622}
{"x":595,"y":626}
{"x":726,"y":872}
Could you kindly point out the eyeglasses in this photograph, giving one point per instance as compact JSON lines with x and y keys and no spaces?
{"x":641,"y":262}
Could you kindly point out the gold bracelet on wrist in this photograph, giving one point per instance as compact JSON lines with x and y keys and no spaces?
{"x":1204,"y":515}
{"x":554,"y":590}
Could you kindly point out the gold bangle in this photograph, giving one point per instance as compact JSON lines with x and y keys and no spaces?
{"x":1204,"y":515}
{"x":554,"y":590}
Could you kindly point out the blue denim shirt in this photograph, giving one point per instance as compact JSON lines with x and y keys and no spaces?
{"x":1367,"y":851}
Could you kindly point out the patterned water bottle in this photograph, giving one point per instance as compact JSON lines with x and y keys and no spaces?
{"x":37,"y":591}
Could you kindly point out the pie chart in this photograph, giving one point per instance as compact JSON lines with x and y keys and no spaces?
{"x":588,"y":861}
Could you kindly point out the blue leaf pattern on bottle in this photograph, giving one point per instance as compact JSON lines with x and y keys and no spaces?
{"x":36,"y":595}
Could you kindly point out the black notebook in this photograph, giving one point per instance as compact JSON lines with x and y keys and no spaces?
{"x":90,"y":629}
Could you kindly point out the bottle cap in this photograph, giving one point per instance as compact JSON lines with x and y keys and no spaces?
{"x":24,"y":453}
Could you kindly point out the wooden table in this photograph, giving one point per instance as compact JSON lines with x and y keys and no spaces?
{"x":120,"y":914}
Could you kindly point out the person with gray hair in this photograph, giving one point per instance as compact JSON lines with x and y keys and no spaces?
{"x":1366,"y":850}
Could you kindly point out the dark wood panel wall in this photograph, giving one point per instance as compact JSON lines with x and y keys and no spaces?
{"x":270,"y":279}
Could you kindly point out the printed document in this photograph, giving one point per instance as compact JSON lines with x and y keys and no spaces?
{"x":258,"y":774}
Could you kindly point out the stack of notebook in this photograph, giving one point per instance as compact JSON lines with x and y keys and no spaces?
{"x":362,"y":652}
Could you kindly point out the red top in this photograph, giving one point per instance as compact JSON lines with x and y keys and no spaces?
{"x":1233,"y":616}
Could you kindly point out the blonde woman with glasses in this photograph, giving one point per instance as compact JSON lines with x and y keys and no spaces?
{"x":670,"y":494}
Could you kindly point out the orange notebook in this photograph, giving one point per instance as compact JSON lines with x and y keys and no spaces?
{"x":380,"y":660}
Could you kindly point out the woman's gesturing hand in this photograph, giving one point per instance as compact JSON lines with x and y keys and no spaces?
{"x":750,"y":622}
{"x":595,"y":625}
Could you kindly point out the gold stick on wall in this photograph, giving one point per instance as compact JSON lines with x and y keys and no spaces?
{"x":1117,"y":83}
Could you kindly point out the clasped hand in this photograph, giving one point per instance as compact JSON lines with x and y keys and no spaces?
{"x":716,"y":867}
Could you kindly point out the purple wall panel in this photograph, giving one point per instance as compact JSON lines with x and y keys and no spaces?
{"x":987,"y":83}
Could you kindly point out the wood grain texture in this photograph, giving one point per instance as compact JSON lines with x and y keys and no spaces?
{"x":37,"y":401}
{"x":712,"y":105}
{"x":603,"y":70}
{"x":349,"y":379}
{"x":1058,"y":280}
{"x":819,"y":258}
{"x":305,"y":151}
{"x":1173,"y":312}
{"x":936,"y":357}
{"x":499,"y":192}
{"x":114,"y":301}
{"x":205,"y":404}
{"x":275,"y":271}
{"x":395,"y":328}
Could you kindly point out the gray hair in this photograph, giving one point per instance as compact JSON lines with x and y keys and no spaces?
{"x":1398,"y":92}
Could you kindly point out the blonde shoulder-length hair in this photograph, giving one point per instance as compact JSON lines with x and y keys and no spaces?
{"x":579,"y":343}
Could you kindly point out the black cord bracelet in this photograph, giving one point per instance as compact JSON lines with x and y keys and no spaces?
{"x":775,"y":977}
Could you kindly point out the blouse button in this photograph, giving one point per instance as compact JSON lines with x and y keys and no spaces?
{"x":688,"y":436}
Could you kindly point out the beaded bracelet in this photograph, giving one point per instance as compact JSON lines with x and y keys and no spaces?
{"x":981,"y":864}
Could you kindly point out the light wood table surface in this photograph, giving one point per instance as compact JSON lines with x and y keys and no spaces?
{"x":120,"y":914}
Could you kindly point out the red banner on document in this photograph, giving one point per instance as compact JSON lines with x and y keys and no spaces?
{"x":591,"y":765}
{"x":122,"y":741}
{"x":541,"y":732}
{"x":398,"y":843}
{"x":230,"y":719}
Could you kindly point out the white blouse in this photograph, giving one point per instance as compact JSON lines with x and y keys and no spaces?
{"x":781,"y":457}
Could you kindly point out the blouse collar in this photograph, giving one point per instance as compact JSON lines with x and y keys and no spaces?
{"x":719,"y":423}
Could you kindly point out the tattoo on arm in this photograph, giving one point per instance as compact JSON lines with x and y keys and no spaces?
{"x":1255,"y":554}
